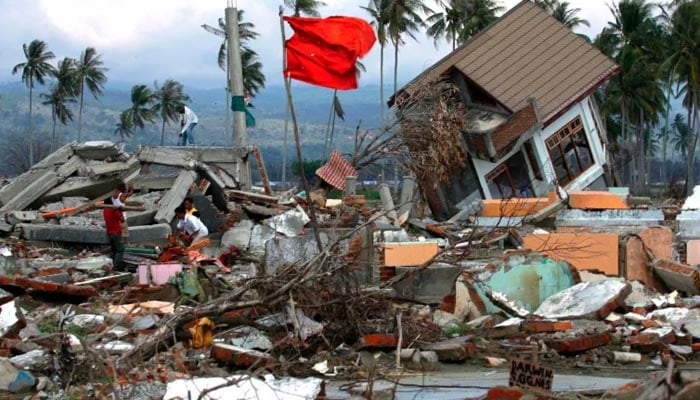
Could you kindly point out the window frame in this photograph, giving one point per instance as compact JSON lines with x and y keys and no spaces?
{"x":556,"y":141}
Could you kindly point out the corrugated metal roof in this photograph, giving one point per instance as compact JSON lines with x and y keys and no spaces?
{"x":528,"y":54}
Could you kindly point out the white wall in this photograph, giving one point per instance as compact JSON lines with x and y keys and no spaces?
{"x":582,"y":109}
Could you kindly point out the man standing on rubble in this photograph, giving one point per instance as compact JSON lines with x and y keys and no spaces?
{"x":193,"y":228}
{"x":187,"y":123}
{"x":113,"y":223}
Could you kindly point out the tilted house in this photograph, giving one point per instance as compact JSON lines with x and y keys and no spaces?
{"x":527,"y":83}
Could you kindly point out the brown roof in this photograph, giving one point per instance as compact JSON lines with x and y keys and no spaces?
{"x":528,"y":54}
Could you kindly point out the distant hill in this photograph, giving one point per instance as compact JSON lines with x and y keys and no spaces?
{"x":312,"y":105}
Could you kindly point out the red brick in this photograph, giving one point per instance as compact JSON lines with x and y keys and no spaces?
{"x":48,"y":287}
{"x":690,"y":274}
{"x":448,"y":304}
{"x":639,"y":310}
{"x":504,"y":393}
{"x":581,"y":343}
{"x":651,"y":341}
{"x":240,"y":358}
{"x":535,"y":326}
{"x":695,"y":347}
{"x":648,"y":323}
{"x":378,"y":341}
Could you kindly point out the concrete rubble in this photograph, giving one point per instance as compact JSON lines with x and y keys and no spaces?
{"x":261,"y":306}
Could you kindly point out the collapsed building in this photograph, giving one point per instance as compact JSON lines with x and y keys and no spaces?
{"x":526,"y":83}
{"x":304,"y":296}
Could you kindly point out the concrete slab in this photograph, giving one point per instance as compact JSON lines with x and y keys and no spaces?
{"x":406,"y":254}
{"x":498,"y":222}
{"x":609,"y":218}
{"x":174,"y":197}
{"x":79,"y":186}
{"x":238,"y":236}
{"x":166,"y":156}
{"x":18,"y":184}
{"x":90,"y":235}
{"x":429,"y":286}
{"x":290,"y":223}
{"x":530,"y":282}
{"x":675,"y":275}
{"x":96,"y":149}
{"x":287,"y":250}
{"x":594,"y":200}
{"x":588,"y":300}
{"x":585,"y":251}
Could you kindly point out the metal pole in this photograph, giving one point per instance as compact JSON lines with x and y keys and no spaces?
{"x":236,"y":78}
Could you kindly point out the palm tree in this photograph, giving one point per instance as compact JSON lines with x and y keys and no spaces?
{"x":169,"y":98}
{"x":683,"y":64}
{"x":679,"y":140}
{"x":91,"y":74}
{"x":35,"y":68}
{"x":636,"y":40}
{"x":377,"y":9}
{"x":479,"y":15}
{"x":66,"y":78}
{"x":447,"y":23}
{"x":58,"y":100}
{"x":308,"y":7}
{"x":253,"y":78}
{"x":67,"y":87}
{"x":403,"y":17}
{"x":246,"y":32}
{"x":561,"y":11}
{"x":125,"y":126}
{"x":139,"y":113}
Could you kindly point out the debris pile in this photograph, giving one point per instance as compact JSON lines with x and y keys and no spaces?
{"x":275,"y":300}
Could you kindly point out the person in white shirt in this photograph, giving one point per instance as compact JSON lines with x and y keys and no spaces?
{"x":193,"y":228}
{"x":187,"y":123}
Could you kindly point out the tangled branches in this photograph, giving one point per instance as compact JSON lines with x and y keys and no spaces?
{"x":432,"y":121}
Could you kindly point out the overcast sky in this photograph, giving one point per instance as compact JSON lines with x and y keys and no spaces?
{"x":146,"y":40}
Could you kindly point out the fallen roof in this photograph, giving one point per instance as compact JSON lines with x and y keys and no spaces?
{"x":528,"y":54}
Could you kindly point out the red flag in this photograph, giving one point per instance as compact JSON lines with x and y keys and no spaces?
{"x":323,"y":51}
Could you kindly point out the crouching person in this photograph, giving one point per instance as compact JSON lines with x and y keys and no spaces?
{"x":114,"y":218}
{"x":193,"y":229}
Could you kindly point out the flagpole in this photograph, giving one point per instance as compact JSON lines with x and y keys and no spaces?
{"x":297,"y":141}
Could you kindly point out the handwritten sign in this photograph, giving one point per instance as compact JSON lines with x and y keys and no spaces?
{"x":529,"y":375}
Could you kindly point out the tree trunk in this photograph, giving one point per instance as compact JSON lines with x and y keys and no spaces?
{"x":690,"y":176}
{"x":53,"y":134}
{"x":30,"y":139}
{"x":328,"y":127}
{"x":381,"y":86}
{"x":162,"y":133}
{"x":80,"y":113}
{"x":665,"y":135}
{"x":396,"y":66}
{"x":643,"y":172}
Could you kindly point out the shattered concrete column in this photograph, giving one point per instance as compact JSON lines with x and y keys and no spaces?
{"x":408,"y":191}
{"x":350,"y":185}
{"x":165,"y":156}
{"x":42,"y":184}
{"x":175,"y":196}
{"x":217,"y":185}
{"x":13,"y":189}
{"x":388,"y":202}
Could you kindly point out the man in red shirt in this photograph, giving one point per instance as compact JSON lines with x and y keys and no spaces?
{"x":113,"y":222}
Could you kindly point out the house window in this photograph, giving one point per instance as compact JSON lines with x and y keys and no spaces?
{"x":569,"y":151}
{"x":510,"y":179}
